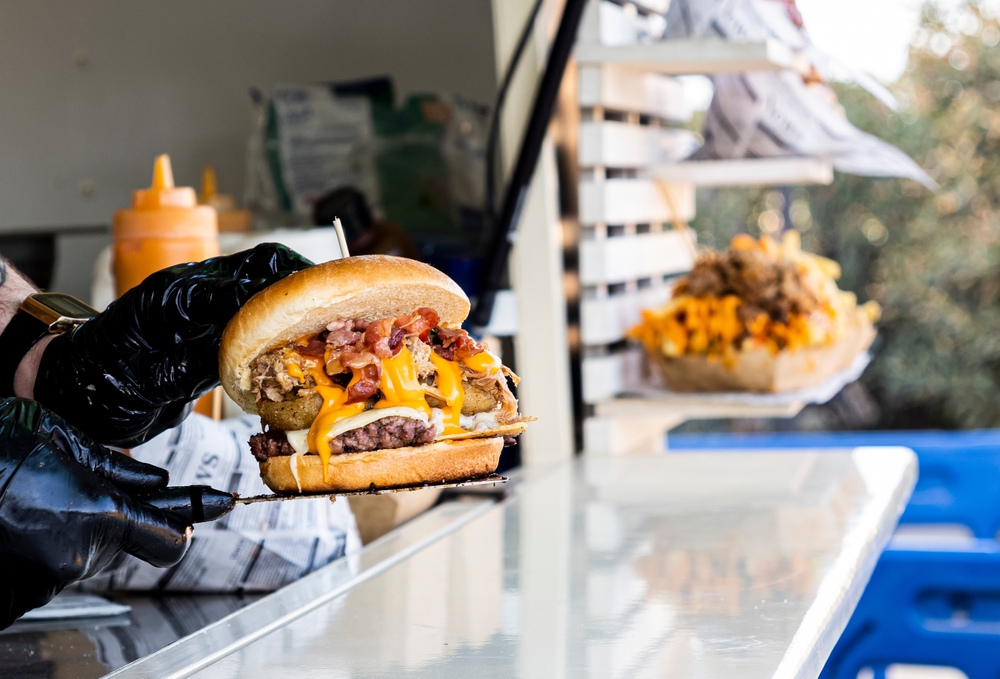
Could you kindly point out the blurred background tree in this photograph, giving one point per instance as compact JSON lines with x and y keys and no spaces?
{"x":929,"y":258}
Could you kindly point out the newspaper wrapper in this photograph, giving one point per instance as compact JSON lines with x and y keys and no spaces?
{"x":769,"y":115}
{"x":777,"y":114}
{"x":761,"y":371}
{"x":257,"y":547}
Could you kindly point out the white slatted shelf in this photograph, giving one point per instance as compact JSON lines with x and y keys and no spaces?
{"x":748,"y":172}
{"x":690,"y":56}
{"x":692,"y":407}
{"x":634,"y":201}
{"x":623,"y":145}
{"x":634,"y":257}
{"x":623,"y":88}
{"x":633,"y":174}
{"x":605,"y":320}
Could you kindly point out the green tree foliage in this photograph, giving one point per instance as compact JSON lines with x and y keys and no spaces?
{"x":931,"y":259}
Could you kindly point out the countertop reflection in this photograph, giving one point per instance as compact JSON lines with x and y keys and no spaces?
{"x":90,"y":648}
{"x":680,"y":565}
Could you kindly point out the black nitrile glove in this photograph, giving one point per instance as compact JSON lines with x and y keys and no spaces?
{"x":67,"y":507}
{"x":136,"y":369}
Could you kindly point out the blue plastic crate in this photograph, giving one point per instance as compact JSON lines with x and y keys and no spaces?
{"x":959,"y":478}
{"x":934,"y":605}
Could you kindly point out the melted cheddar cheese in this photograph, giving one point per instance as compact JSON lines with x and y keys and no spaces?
{"x":399,"y":378}
{"x":484,"y":362}
{"x":334,"y":410}
{"x":400,"y":389}
{"x":449,"y":383}
{"x":294,"y":370}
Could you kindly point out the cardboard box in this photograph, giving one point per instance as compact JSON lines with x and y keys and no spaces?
{"x":761,"y":371}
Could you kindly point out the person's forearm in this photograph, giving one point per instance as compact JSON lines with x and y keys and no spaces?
{"x":14,"y":288}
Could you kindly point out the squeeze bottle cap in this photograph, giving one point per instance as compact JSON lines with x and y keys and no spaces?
{"x":163,"y":193}
{"x":164,"y":210}
{"x":209,"y":194}
{"x":231,"y":219}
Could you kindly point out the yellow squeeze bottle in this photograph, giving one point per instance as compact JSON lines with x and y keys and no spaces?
{"x":164,"y":226}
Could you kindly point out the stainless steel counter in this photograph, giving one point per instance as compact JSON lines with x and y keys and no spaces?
{"x":700,"y":565}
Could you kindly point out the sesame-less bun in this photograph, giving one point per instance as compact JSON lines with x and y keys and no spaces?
{"x":370,"y":287}
{"x":433,"y":463}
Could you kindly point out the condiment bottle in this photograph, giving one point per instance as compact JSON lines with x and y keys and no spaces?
{"x":164,"y":226}
{"x":231,"y":219}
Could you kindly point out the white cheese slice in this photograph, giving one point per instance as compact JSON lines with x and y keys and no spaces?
{"x":299,"y":440}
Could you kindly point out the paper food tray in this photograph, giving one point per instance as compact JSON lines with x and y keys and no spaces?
{"x":820,"y":393}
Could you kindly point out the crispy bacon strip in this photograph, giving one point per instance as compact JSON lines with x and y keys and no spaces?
{"x":346,"y":348}
{"x":377,"y":338}
{"x":455,"y":344}
{"x":314,"y":349}
{"x":419,"y":323}
{"x":367,"y":386}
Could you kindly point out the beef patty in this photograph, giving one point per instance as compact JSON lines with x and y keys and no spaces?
{"x":389,"y":432}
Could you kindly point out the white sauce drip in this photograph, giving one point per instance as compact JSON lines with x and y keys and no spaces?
{"x":293,"y":465}
{"x":437,"y":419}
{"x":478,"y":422}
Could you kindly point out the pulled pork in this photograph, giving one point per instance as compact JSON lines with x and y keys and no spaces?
{"x":271,"y":380}
{"x":421,"y":358}
{"x":496,"y":386}
{"x":764,"y":285}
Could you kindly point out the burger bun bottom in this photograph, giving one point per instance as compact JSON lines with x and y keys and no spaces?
{"x":438,"y":462}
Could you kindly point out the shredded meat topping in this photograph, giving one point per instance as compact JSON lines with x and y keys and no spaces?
{"x":270,"y":377}
{"x":421,"y":357}
{"x":496,"y":386}
{"x":772,"y":287}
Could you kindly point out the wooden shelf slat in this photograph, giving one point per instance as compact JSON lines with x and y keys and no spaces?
{"x":747,"y":172}
{"x":691,"y":56}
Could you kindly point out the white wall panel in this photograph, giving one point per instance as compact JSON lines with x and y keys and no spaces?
{"x":93,"y":90}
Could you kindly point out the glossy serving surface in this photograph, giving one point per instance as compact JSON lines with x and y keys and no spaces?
{"x":679,"y":565}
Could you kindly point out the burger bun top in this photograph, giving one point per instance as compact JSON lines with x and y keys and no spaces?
{"x":369,"y":287}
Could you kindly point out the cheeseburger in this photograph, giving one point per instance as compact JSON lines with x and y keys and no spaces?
{"x":362,"y":377}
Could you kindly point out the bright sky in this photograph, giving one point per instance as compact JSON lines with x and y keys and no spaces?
{"x":867,"y":35}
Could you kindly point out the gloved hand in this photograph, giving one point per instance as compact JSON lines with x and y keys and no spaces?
{"x":67,"y":507}
{"x":135,"y":370}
